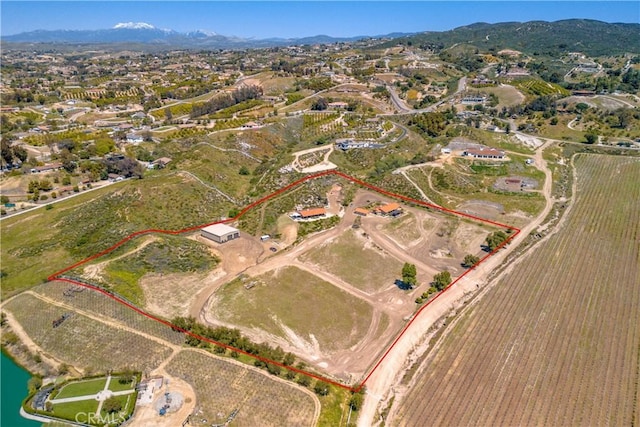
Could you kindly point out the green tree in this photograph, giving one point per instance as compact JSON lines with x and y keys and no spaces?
{"x":494,"y":240}
{"x":304,"y":380}
{"x":112,"y":404}
{"x":409,"y":274}
{"x":357,"y":399}
{"x":321,"y":388}
{"x":442,"y":280}
{"x":244,"y":170}
{"x":4,"y":199}
{"x":21,"y":153}
{"x":590,"y":138}
{"x":34,"y":383}
{"x":470,"y":260}
{"x":319,"y":104}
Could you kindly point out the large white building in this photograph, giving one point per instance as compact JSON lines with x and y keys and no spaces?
{"x":220,"y":233}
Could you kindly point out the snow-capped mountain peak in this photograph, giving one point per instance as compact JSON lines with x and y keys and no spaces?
{"x":207,"y":33}
{"x":134,"y":26}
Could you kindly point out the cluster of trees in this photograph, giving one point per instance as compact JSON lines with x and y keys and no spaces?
{"x":233,"y":338}
{"x":494,"y":240}
{"x":243,"y":93}
{"x":291,"y":67}
{"x":431,"y":124}
{"x":315,"y":84}
{"x":470,"y":260}
{"x":466,"y":60}
{"x":42,"y":185}
{"x":10,"y":152}
{"x":381,"y":92}
{"x":120,"y":165}
{"x":320,"y":104}
{"x":441,"y":280}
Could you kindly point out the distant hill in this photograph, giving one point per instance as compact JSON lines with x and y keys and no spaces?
{"x":594,"y":38}
{"x":142,"y":33}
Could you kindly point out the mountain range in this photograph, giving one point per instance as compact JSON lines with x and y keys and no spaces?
{"x":141,"y":32}
{"x":594,"y":38}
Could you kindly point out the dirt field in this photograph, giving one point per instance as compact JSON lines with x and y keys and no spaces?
{"x":507,"y":95}
{"x":557,"y":340}
{"x":357,"y":261}
{"x":333,"y":299}
{"x":295,"y":303}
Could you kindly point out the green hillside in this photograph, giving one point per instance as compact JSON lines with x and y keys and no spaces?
{"x":594,"y":38}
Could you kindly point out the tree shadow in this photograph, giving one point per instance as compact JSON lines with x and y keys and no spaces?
{"x":402,"y":285}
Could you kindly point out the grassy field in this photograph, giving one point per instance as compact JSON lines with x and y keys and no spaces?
{"x":71,"y":409}
{"x":83,"y":342}
{"x":106,"y":216}
{"x":405,"y":229}
{"x":222,"y":386}
{"x":557,"y":340}
{"x":82,"y":388}
{"x":297,"y":300}
{"x":451,"y":188}
{"x":357,"y":262}
{"x":507,"y":95}
{"x":169,"y":254}
{"x":81,"y":409}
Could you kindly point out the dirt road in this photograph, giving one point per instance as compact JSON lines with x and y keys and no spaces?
{"x":390,"y":371}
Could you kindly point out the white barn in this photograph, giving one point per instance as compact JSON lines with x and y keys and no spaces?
{"x":220,"y":233}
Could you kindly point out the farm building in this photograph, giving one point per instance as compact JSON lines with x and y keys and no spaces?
{"x":361,"y":211}
{"x":312,"y":213}
{"x":484,"y":153}
{"x":390,"y":209}
{"x":220,"y":233}
{"x":46,"y":168}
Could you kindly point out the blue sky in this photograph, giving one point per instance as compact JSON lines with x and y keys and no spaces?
{"x":264,"y":19}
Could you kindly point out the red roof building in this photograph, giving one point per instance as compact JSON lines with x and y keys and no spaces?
{"x":312,"y":213}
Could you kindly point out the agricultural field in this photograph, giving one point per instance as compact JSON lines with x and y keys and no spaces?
{"x":223,"y":386}
{"x":556,"y":341}
{"x":539,"y":87}
{"x":356,"y":261}
{"x":98,"y":304}
{"x":83,"y":342}
{"x":293,"y":302}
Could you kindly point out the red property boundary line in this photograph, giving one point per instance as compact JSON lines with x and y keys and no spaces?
{"x":57,"y":276}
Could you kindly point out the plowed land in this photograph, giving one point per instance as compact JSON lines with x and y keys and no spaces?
{"x":557,"y":340}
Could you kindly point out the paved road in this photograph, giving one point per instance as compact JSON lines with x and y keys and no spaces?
{"x":404,"y":109}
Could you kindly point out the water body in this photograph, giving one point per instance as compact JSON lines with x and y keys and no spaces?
{"x":13,"y":382}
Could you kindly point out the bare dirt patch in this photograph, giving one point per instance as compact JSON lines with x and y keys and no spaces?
{"x":171,"y":295}
{"x":357,"y":260}
{"x":288,"y":230}
{"x":304,"y":303}
{"x":482,"y":209}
